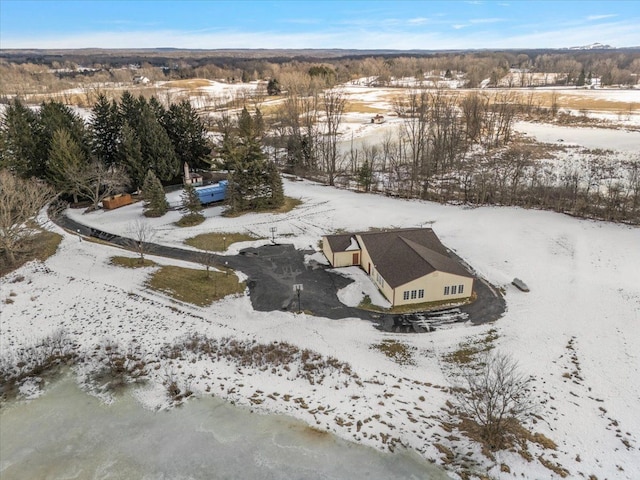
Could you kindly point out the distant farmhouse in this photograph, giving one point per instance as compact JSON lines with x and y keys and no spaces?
{"x":407,"y":265}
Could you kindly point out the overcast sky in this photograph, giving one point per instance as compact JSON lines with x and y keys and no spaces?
{"x":355,"y":24}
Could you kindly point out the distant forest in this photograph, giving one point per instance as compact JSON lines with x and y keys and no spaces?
{"x":612,"y":66}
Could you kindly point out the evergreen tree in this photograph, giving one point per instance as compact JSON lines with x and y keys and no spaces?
{"x":156,"y":147}
{"x":273,"y":87}
{"x":144,"y":141}
{"x":254,"y":183}
{"x":157,"y":108}
{"x":581,"y":79}
{"x":246,"y":126}
{"x":155,"y":200}
{"x":189,"y":201}
{"x":145,"y":145}
{"x":188,"y":134}
{"x":66,"y":164}
{"x":54,"y":116}
{"x":365,"y":176}
{"x":190,"y":206}
{"x":129,"y":109}
{"x":274,"y":180}
{"x":106,"y":125}
{"x":17,"y":131}
{"x":130,"y":156}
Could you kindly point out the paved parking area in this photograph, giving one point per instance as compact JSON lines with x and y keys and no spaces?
{"x":273,"y":270}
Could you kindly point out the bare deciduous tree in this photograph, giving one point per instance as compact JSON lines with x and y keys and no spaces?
{"x":207,"y":261}
{"x":334,"y":103}
{"x":141,"y":236}
{"x":414,"y":110}
{"x":98,"y":182}
{"x":496,"y":398}
{"x":20,"y":201}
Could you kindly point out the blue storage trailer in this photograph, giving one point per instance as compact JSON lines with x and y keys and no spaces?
{"x":212,"y":193}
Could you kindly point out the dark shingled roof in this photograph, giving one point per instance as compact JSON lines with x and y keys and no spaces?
{"x":403,"y":255}
{"x":339,"y":243}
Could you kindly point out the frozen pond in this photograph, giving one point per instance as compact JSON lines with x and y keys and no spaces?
{"x":603,"y":138}
{"x":68,"y":434}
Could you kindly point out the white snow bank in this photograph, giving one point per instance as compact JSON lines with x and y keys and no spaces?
{"x":604,"y":138}
{"x":353,"y":294}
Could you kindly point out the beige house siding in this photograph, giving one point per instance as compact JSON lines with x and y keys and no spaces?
{"x":368,"y":266}
{"x":339,"y":259}
{"x":326,"y":249}
{"x":434,"y":287}
{"x":382,"y":285}
{"x":365,"y":258}
{"x":345,"y":259}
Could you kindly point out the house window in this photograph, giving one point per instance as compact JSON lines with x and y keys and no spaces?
{"x":414,"y":294}
{"x":453,"y":290}
{"x":446,"y":290}
{"x":460,"y":288}
{"x":406,"y":295}
{"x":421,"y":293}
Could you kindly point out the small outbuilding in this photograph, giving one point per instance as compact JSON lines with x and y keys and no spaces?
{"x":377,"y":119}
{"x":117,"y":201}
{"x":141,"y":80}
{"x":408,"y":266}
{"x":191,"y":178}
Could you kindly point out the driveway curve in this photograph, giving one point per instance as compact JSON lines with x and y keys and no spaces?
{"x":273,"y":270}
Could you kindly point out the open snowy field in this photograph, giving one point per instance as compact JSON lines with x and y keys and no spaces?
{"x":576,"y":332}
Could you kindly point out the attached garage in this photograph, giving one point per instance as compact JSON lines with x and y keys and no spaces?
{"x":341,"y":250}
{"x":409,"y":266}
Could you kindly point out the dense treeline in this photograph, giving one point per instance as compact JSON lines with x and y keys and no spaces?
{"x":592,"y":185}
{"x":122,"y":142}
{"x":452,"y":147}
{"x":468,"y":154}
{"x":23,"y":73}
{"x":438,"y":129}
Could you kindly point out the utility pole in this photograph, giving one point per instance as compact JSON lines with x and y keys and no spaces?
{"x":273,"y":234}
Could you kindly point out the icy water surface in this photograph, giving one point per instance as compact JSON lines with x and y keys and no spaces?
{"x":67,"y":434}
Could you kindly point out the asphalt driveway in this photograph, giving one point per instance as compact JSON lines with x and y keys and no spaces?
{"x":273,"y":270}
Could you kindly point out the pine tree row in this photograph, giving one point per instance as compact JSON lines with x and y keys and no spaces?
{"x":122,"y":142}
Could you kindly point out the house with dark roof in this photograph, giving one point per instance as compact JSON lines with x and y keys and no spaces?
{"x":407,"y":265}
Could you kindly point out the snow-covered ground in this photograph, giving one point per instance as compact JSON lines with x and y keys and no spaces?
{"x":576,"y":332}
{"x":592,"y":138}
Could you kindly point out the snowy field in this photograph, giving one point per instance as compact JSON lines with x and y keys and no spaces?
{"x":577,"y":332}
{"x":592,"y":138}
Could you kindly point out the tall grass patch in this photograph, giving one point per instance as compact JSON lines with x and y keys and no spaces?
{"x":399,"y":352}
